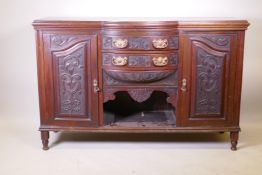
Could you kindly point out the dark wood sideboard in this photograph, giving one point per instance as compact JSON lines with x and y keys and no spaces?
{"x":161,"y":76}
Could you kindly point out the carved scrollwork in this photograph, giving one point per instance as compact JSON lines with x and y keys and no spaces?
{"x":139,"y":76}
{"x":209,"y":74}
{"x":137,"y":94}
{"x":140,"y":94}
{"x":139,"y":43}
{"x":172,"y":96}
{"x":107,"y":80}
{"x":168,"y":81}
{"x":61,"y":40}
{"x":173,"y":59}
{"x":108,"y":94}
{"x":107,"y":59}
{"x":222,"y":41}
{"x":173,"y":42}
{"x":71,"y":78}
{"x":139,"y":61}
{"x":131,"y":43}
{"x":107,"y":42}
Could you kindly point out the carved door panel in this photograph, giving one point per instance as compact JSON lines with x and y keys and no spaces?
{"x":70,"y":61}
{"x":207,"y":79}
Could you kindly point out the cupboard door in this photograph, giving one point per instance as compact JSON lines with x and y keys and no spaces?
{"x":207,"y":79}
{"x":70,"y":66}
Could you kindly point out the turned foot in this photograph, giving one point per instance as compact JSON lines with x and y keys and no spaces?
{"x":45,"y":137}
{"x":234,"y":140}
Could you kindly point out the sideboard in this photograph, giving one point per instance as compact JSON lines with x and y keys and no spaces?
{"x":140,"y":76}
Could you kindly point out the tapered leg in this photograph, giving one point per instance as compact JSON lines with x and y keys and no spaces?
{"x":234,"y":140}
{"x":45,"y":137}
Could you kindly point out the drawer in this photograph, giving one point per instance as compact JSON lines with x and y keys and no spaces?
{"x":125,"y":42}
{"x":138,"y":76}
{"x":135,"y":61}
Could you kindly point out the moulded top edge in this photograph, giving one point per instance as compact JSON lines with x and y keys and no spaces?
{"x":142,"y":22}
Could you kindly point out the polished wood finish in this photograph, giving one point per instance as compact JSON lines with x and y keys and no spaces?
{"x":212,"y":73}
{"x":140,"y":76}
{"x":234,"y":139}
{"x":44,"y":138}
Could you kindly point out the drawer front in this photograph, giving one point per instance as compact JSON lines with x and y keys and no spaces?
{"x":140,"y":60}
{"x":140,"y":69}
{"x":140,"y":78}
{"x":126,"y":42}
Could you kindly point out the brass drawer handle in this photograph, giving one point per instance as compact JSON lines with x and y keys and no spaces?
{"x":160,"y":61}
{"x":160,"y":43}
{"x":119,"y":43}
{"x":119,"y":61}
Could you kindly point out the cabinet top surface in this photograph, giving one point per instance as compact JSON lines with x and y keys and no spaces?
{"x":137,"y":19}
{"x":150,"y":22}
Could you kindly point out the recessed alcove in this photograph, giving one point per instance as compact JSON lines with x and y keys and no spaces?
{"x":127,"y":112}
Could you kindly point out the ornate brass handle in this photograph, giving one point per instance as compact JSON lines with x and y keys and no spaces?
{"x":119,"y":43}
{"x":95,"y":85}
{"x":119,"y":61}
{"x":160,"y":43}
{"x":184,"y":84}
{"x":160,"y":61}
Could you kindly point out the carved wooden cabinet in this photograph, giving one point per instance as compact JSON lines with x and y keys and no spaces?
{"x":140,"y":76}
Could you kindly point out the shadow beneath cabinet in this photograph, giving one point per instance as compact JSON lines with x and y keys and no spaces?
{"x":141,"y":138}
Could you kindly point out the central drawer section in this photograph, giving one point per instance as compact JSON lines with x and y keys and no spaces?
{"x":135,"y":40}
{"x":140,"y":68}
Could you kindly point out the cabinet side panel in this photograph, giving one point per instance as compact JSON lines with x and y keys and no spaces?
{"x":239,"y":73}
{"x":41,"y":76}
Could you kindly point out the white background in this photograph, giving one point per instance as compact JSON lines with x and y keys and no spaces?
{"x":20,"y":145}
{"x":18,"y":85}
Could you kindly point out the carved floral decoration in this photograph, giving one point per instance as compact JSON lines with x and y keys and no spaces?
{"x":71,"y":82}
{"x":209,"y":70}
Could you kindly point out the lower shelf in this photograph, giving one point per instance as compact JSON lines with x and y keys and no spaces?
{"x":125,"y":112}
{"x":142,"y":119}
